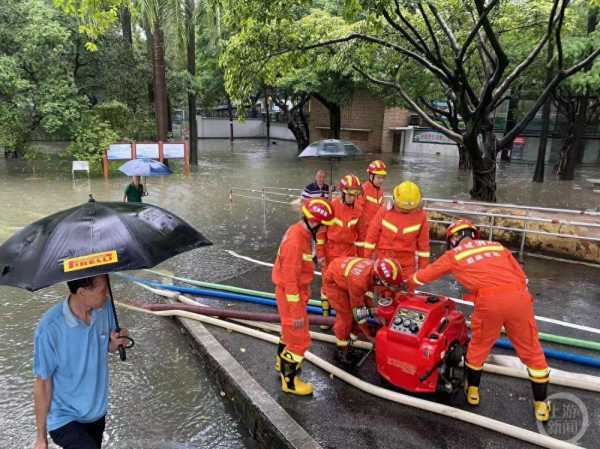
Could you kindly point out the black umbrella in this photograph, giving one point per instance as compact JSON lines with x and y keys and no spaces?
{"x":93,"y":239}
{"x":331,"y":149}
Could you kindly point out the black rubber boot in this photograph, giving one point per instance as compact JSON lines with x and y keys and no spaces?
{"x":290,"y":380}
{"x":280,"y":349}
{"x":347,"y":356}
{"x":472,"y":379}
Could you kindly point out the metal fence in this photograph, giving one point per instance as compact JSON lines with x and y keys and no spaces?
{"x":282,"y":195}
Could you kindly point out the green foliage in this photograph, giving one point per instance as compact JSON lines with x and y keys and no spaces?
{"x":90,"y":140}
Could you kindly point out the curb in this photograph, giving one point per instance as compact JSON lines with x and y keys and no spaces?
{"x":266,"y":421}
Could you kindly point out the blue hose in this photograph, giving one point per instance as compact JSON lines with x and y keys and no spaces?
{"x":500,"y":343}
{"x":218,"y":294}
{"x":557,"y":355}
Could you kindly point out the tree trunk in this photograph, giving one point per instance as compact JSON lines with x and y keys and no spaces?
{"x":464,"y":162}
{"x":299,"y":127}
{"x":335,"y":120}
{"x":482,"y":149}
{"x":159,"y":82}
{"x":484,"y":180}
{"x":125,"y":19}
{"x":230,"y":114}
{"x":538,"y":175}
{"x":569,"y":151}
{"x":191,"y":68}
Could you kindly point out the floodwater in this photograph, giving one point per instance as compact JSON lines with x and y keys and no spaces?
{"x":162,"y":397}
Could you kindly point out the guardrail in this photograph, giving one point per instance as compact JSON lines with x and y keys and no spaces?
{"x":282,"y":194}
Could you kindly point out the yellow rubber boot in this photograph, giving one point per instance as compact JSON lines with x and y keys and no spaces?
{"x":290,"y":381}
{"x":280,"y":348}
{"x":542,"y":410}
{"x":472,"y":394}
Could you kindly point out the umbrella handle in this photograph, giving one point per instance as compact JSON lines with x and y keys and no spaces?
{"x":122,"y":352}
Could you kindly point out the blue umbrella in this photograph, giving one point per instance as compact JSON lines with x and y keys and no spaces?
{"x":144,"y":167}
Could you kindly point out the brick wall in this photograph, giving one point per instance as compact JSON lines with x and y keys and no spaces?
{"x":365,"y":120}
{"x":392,"y":118}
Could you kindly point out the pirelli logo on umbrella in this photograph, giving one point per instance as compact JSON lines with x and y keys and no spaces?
{"x":90,"y":261}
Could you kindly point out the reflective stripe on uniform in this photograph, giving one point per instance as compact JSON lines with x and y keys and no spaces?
{"x":538,"y":375}
{"x":320,"y":242}
{"x":416,"y":280}
{"x":410,"y":229}
{"x":422,"y":253}
{"x":342,"y":343}
{"x":293,"y":298}
{"x":372,"y":199}
{"x":388,"y":225}
{"x":474,"y":367}
{"x":307,"y":257}
{"x":337,"y":221}
{"x":368,"y":245}
{"x":359,"y":244}
{"x":482,"y":249}
{"x":352,"y":222}
{"x":370,"y":295}
{"x":351,"y":264}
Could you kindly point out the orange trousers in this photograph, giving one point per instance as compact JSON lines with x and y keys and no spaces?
{"x":294,"y":320}
{"x":344,"y":324}
{"x":513,"y":309}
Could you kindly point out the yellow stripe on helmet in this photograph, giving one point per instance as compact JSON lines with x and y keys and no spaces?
{"x":394,"y":268}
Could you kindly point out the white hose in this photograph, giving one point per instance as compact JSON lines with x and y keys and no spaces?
{"x":472,"y":418}
{"x":503,"y":365}
{"x":456,"y":300}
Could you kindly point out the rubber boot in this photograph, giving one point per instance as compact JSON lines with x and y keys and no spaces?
{"x":290,"y":381}
{"x":472,"y":379}
{"x":347,"y":356}
{"x":280,"y":348}
{"x":541,"y":404}
{"x":326,"y":311}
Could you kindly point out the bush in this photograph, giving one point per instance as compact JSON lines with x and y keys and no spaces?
{"x":90,"y":140}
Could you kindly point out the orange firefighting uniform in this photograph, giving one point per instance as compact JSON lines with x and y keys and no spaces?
{"x":340,"y":237}
{"x":348,"y":283}
{"x":403,"y":236}
{"x":370,"y":202}
{"x":501,"y":298}
{"x":292,"y":275}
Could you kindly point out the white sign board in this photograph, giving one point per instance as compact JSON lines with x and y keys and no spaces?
{"x":146,"y":150}
{"x":80,"y":166}
{"x":119,"y":151}
{"x":174,"y":150}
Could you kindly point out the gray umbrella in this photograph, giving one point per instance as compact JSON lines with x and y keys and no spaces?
{"x":331,"y":149}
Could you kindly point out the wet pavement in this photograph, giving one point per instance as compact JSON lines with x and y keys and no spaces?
{"x":163,"y":397}
{"x":340,"y":416}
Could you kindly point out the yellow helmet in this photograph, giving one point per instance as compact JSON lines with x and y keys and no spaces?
{"x":407,"y":195}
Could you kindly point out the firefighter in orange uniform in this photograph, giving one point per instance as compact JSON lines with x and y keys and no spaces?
{"x":501,"y":298}
{"x":340,"y":238}
{"x":401,"y":231}
{"x":292,"y":276}
{"x":371,"y":199}
{"x":349,"y":283}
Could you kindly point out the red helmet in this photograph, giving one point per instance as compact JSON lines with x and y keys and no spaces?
{"x":350,"y":184}
{"x":460,"y":227}
{"x":377,"y":168}
{"x":388,"y":271}
{"x":319,"y":210}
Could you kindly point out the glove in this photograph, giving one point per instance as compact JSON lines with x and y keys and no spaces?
{"x":361,"y":314}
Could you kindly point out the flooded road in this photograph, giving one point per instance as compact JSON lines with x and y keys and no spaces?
{"x":162,"y":397}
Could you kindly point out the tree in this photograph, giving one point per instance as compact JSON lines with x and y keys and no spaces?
{"x":578,"y":99}
{"x":460,"y":49}
{"x":293,"y":77}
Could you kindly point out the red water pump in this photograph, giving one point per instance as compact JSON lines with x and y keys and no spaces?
{"x":421,"y":344}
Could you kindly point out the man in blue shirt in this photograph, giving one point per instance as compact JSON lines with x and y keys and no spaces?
{"x":70,"y":363}
{"x":317,"y":189}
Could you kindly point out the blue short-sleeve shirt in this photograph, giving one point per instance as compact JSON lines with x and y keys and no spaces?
{"x":74,"y":355}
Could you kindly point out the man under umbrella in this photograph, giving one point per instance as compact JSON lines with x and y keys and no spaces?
{"x":81,"y":246}
{"x":70,"y":365}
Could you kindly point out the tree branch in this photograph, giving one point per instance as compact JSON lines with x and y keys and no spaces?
{"x":450,"y":134}
{"x":411,"y":27}
{"x":417,"y":45}
{"x":436,"y":44}
{"x":474,"y":32}
{"x":501,"y":90}
{"x":562,"y":75}
{"x":445,"y":28}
